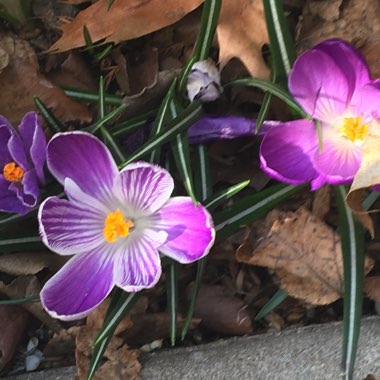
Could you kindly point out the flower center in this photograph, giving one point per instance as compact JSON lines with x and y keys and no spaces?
{"x":353,"y":129}
{"x":116,"y":226}
{"x":12,"y":172}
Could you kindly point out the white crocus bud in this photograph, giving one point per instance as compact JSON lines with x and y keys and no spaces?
{"x":203,"y":82}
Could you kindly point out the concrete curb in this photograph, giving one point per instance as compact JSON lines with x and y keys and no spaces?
{"x":307,"y":353}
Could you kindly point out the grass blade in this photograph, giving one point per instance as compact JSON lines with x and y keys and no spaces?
{"x":132,"y":124}
{"x":92,"y":97}
{"x":21,"y":243}
{"x":276,"y":299}
{"x":178,"y":125}
{"x":250,"y":208}
{"x":172,"y":297}
{"x":273,"y":89}
{"x":352,"y":237}
{"x":21,"y":301}
{"x":52,"y":122}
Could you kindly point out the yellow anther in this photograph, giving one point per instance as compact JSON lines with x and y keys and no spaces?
{"x":12,"y":172}
{"x":354,"y":129}
{"x":116,"y":226}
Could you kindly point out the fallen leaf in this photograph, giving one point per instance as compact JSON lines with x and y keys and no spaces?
{"x":372,"y":288}
{"x":14,"y":321}
{"x":18,"y":264}
{"x":368,"y":175}
{"x":241,"y":33}
{"x":125,"y":20}
{"x":20,"y":80}
{"x":24,"y":286}
{"x":222,"y":312}
{"x":305,"y":253}
{"x":321,"y":202}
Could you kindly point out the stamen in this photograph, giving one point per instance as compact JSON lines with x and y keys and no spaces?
{"x":12,"y":172}
{"x":353,"y":129}
{"x":116,"y":226}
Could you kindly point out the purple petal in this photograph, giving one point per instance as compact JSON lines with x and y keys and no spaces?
{"x":211,"y":128}
{"x":366,"y":101}
{"x":137,"y":265}
{"x":189,"y":227}
{"x":81,"y":285}
{"x":348,"y":59}
{"x":339,"y":159}
{"x":9,"y":202}
{"x":16,"y":149}
{"x":27,"y":191}
{"x":34,"y":141}
{"x":84,"y":159}
{"x":286,"y":151}
{"x":320,"y":86}
{"x":68,"y":228}
{"x":144,"y":187}
{"x":5,"y":156}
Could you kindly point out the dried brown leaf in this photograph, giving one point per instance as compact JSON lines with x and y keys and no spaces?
{"x":305,"y":254}
{"x":14,"y":320}
{"x":24,"y":286}
{"x":20,"y":80}
{"x":18,"y":264}
{"x":125,"y":20}
{"x":241,"y":33}
{"x":222,"y":312}
{"x":321,"y":202}
{"x":372,"y":288}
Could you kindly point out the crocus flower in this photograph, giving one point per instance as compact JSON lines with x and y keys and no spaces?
{"x":114,"y":223}
{"x":332,"y":83}
{"x":204,"y":82}
{"x":22,"y":157}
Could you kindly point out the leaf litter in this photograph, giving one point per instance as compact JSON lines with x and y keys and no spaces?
{"x":274,"y":254}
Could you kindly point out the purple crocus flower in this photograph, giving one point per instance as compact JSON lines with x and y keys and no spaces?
{"x":22,"y":157}
{"x":114,"y":223}
{"x":332,"y":83}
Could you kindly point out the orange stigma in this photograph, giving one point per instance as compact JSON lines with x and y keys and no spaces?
{"x":354,"y":129}
{"x":116,"y":226}
{"x":12,"y":172}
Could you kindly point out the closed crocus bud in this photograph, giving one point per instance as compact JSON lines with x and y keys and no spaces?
{"x":204,"y":82}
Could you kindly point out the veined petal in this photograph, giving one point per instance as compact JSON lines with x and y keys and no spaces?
{"x":9,"y":202}
{"x":69,"y":228}
{"x":143,"y":187}
{"x":320,"y":86}
{"x":137,"y":265}
{"x":366,"y":102}
{"x":17,"y":151}
{"x":348,"y":59}
{"x":34,"y":142}
{"x":81,"y":285}
{"x":85,"y":159}
{"x":27,"y":191}
{"x":339,"y":159}
{"x":286,"y":151}
{"x":189,"y":227}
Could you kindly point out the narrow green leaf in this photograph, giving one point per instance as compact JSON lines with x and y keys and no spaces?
{"x":94,"y":127}
{"x":273,"y":89}
{"x":92,"y":97}
{"x":52,"y":122}
{"x":184,"y":73}
{"x":172,"y":297}
{"x":209,"y":21}
{"x":104,"y":52}
{"x":201,"y":265}
{"x":371,"y":199}
{"x":119,"y":311}
{"x":249,"y":209}
{"x":203,"y":186}
{"x":217,"y":199}
{"x":281,"y":43}
{"x":132,"y":124}
{"x":21,"y":243}
{"x":97,"y":356}
{"x":110,"y":2}
{"x":88,"y":40}
{"x":276,"y":299}
{"x":21,"y":301}
{"x":352,"y":237}
{"x":178,"y":125}
{"x":161,"y":119}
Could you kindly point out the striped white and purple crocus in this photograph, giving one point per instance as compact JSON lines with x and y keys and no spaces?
{"x":116,"y":224}
{"x":332,"y":83}
{"x":22,"y":158}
